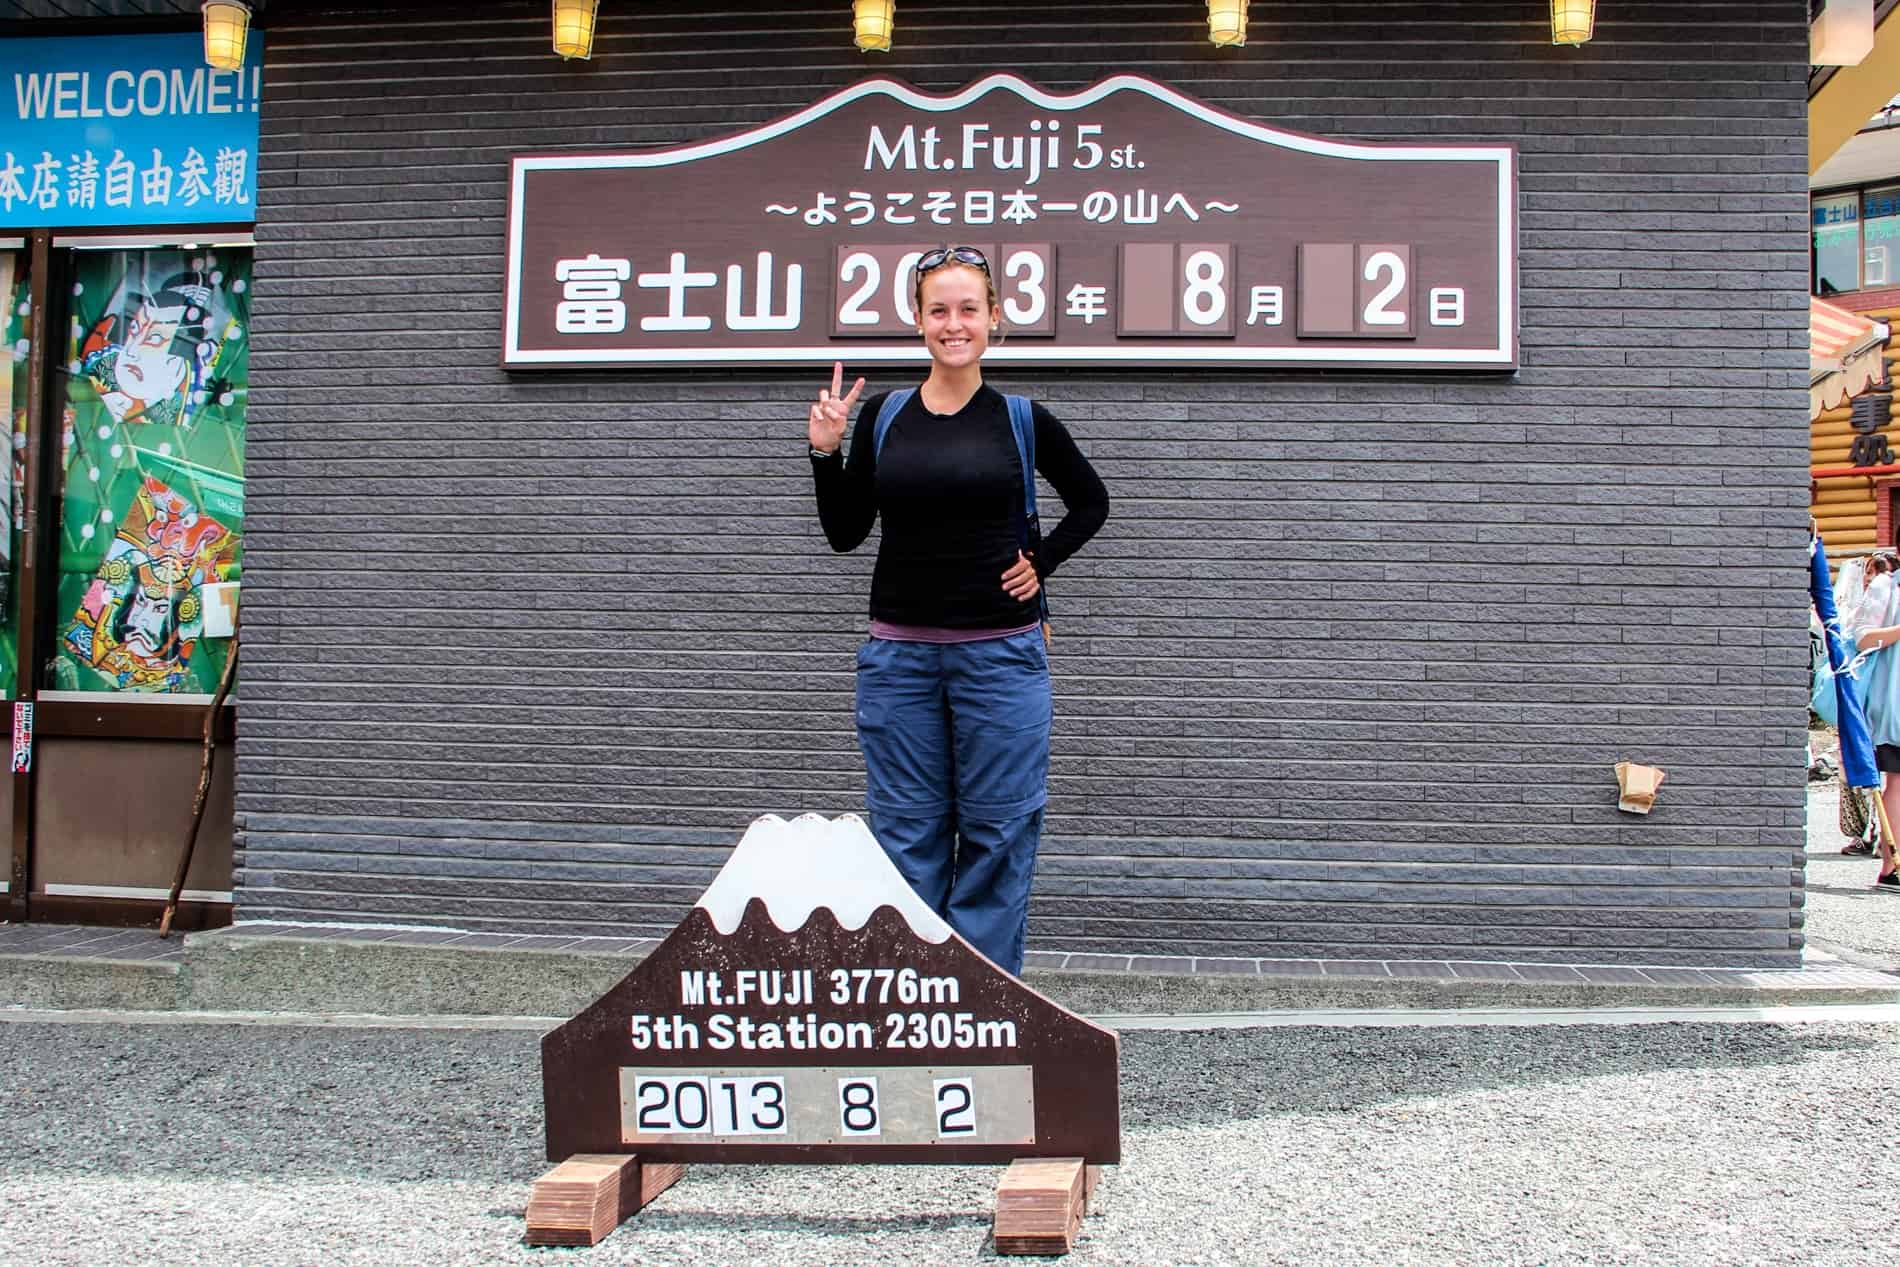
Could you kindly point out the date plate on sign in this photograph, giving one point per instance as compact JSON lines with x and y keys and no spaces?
{"x":900,"y":1104}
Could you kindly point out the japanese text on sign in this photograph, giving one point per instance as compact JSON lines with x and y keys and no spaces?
{"x":126,"y":130}
{"x":1124,"y":222}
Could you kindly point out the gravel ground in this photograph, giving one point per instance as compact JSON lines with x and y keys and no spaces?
{"x":1681,"y":1144}
{"x":1846,"y":915}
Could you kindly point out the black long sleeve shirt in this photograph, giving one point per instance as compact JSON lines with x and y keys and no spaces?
{"x":950,"y":489}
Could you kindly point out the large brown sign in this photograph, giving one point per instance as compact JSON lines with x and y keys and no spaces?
{"x":1126,"y":223}
{"x":811,"y":1008}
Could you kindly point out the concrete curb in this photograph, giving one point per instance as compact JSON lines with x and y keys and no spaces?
{"x":1108,"y":994}
{"x":229,"y":970}
{"x":234,"y":972}
{"x":73,"y":981}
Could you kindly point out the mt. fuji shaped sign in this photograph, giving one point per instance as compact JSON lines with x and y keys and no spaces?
{"x":1126,"y":223}
{"x":811,"y":1008}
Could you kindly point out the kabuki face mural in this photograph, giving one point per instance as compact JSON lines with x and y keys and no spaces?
{"x":141,"y":617}
{"x":153,"y":499}
{"x":150,"y":359}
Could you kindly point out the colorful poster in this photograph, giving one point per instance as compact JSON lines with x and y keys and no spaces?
{"x":153,"y":495}
{"x":13,"y":378}
{"x":22,"y":737}
{"x":127,"y":129}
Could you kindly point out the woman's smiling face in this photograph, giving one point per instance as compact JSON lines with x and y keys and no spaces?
{"x":956,"y":315}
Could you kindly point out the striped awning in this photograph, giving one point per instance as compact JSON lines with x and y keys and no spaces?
{"x":1845,"y":355}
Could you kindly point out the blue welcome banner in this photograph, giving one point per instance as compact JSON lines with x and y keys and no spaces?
{"x":126,"y":130}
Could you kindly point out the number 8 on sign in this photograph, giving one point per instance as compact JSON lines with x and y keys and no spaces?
{"x":857,"y":1107}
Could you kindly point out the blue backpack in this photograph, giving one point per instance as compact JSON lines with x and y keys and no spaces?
{"x":1022,"y":424}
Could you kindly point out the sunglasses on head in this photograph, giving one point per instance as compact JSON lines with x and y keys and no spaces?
{"x":951,"y":254}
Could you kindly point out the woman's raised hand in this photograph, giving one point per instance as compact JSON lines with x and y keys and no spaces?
{"x":833,"y":411}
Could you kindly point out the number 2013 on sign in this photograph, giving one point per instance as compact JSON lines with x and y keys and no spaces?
{"x":902,"y":1105}
{"x":875,"y":287}
{"x":716,"y":1106}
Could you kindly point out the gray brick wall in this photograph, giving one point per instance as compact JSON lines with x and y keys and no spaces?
{"x":1344,"y":675}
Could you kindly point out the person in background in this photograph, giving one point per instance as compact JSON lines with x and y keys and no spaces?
{"x":1874,"y":626}
{"x":1858,"y":609}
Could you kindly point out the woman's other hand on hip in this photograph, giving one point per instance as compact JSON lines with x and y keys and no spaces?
{"x":1021,"y":581}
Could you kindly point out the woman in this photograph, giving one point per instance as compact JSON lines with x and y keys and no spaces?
{"x":953,"y":701}
{"x":1875,"y":624}
{"x":1863,"y":591}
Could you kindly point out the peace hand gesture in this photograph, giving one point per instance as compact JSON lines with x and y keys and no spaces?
{"x":833,"y":411}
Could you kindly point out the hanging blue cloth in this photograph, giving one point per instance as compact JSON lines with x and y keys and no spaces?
{"x":1857,"y":745}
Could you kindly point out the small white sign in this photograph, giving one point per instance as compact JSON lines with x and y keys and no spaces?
{"x":220,"y":600}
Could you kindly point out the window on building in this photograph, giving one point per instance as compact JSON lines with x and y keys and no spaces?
{"x":152,"y":455}
{"x":1880,"y":237}
{"x":1837,"y":248}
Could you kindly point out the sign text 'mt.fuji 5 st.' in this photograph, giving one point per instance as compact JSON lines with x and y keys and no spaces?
{"x":1124,"y":223}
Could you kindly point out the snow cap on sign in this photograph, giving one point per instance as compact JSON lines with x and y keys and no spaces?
{"x":797,"y":867}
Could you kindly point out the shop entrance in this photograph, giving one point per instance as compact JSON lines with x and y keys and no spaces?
{"x":126,"y":365}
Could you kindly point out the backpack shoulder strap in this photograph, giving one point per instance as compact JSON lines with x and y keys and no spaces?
{"x":1022,"y":421}
{"x":887,"y":413}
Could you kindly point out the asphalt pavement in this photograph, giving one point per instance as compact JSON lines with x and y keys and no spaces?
{"x":1689,"y":1144}
{"x":1846,"y":915}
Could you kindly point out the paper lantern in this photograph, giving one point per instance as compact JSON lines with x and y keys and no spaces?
{"x":574,"y":28}
{"x":871,"y":23}
{"x":226,"y":22}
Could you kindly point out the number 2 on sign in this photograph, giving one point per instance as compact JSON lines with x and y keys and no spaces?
{"x":956,"y":1107}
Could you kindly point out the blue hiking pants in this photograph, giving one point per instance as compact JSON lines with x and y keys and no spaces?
{"x":956,"y":761}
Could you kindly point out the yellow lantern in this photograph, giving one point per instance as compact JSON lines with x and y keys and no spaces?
{"x":871,"y":23}
{"x":226,"y":22}
{"x":1842,"y":33}
{"x":1572,"y":22}
{"x":1227,"y":23}
{"x":574,"y":28}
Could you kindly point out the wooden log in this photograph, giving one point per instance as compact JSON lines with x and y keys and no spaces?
{"x":1039,"y":1206}
{"x":590,"y":1194}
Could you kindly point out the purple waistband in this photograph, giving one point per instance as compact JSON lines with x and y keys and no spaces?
{"x":931,"y":633}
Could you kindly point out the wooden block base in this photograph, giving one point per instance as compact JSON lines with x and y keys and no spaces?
{"x":590,"y":1194}
{"x":1039,"y":1205}
{"x":656,"y":1177}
